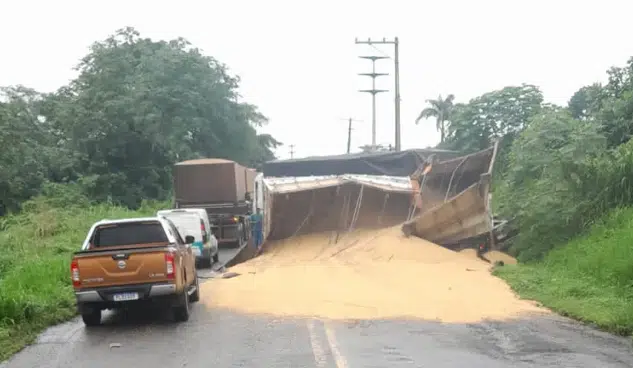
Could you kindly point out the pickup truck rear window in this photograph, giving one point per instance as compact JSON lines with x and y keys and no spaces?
{"x":130,"y":233}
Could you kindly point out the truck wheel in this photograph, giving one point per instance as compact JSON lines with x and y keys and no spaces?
{"x":206,"y":261}
{"x":195,"y":297}
{"x":91,"y":317}
{"x":181,"y":312}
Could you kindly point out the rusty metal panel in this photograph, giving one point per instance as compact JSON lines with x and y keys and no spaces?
{"x":456,"y":217}
{"x":208,"y":181}
{"x":463,"y":216}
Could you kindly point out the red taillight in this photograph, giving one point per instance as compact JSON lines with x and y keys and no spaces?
{"x":169,"y":265}
{"x":74,"y":273}
{"x":202,"y":228}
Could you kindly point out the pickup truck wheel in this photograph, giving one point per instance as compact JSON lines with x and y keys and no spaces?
{"x":181,"y":312}
{"x":91,"y":317}
{"x":195,"y":297}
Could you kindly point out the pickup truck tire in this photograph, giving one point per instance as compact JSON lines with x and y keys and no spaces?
{"x":181,"y":311}
{"x":195,"y":297}
{"x":91,"y":317}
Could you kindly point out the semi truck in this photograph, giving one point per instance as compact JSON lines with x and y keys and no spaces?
{"x":224,"y":189}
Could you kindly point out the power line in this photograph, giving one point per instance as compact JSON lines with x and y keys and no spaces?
{"x":395,"y":42}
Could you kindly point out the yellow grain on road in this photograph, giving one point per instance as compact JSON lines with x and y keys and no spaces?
{"x":367,"y":275}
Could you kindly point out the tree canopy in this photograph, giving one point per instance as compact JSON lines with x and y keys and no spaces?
{"x":136,"y":107}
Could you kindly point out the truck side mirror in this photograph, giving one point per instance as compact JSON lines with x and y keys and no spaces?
{"x":189,"y":239}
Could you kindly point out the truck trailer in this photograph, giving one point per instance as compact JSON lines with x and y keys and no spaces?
{"x":224,"y":189}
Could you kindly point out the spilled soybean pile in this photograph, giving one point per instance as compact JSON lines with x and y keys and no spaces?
{"x":367,"y":274}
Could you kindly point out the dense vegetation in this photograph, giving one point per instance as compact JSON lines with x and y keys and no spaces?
{"x":101,"y":147}
{"x":589,"y":278}
{"x":563,"y":177}
{"x":136,"y":107}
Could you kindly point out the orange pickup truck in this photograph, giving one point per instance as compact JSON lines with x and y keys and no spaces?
{"x":133,"y":261}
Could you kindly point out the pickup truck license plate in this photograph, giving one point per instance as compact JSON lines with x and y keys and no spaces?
{"x":125,"y":297}
{"x":196,"y":251}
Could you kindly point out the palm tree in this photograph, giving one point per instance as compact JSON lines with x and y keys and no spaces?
{"x":440,"y":109}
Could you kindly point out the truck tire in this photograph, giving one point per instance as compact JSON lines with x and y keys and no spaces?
{"x":91,"y":317}
{"x":181,"y":311}
{"x":195,"y":297}
{"x":206,"y":260}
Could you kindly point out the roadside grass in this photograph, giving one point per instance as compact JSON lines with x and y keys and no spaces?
{"x":35,"y":248}
{"x":589,"y":279}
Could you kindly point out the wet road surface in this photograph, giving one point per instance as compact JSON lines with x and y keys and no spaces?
{"x":225,"y":254}
{"x":220,"y":338}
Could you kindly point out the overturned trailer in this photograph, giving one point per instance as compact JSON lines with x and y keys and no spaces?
{"x":438,"y":196}
{"x":300,"y":205}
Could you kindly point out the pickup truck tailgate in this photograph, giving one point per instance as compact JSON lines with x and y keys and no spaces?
{"x":121,"y":267}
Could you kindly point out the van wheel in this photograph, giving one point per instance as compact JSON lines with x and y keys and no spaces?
{"x":91,"y":317}
{"x":181,"y":312}
{"x":196,"y":294}
{"x":216,"y":257}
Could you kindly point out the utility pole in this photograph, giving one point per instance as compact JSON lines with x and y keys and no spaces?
{"x":349,"y":133}
{"x":292,"y":151}
{"x":396,"y":60}
{"x":349,"y":136}
{"x":373,"y":92}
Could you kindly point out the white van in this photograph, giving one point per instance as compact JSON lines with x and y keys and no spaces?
{"x":195,"y":222}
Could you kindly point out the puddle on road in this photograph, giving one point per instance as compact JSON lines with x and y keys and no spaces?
{"x":367,"y":275}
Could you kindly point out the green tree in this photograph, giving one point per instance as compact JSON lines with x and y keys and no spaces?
{"x":542,"y":187}
{"x":441,"y":110}
{"x":493,"y":115}
{"x":586,"y":102}
{"x":140,"y":105}
{"x":30,"y":153}
{"x":266,"y":144}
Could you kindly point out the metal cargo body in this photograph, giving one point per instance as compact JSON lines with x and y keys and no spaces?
{"x":250,"y":180}
{"x":209,"y":180}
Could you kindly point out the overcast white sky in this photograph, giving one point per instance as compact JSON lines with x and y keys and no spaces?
{"x":299,"y":64}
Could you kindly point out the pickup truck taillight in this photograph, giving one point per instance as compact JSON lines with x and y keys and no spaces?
{"x":74,"y":273}
{"x":169,"y":265}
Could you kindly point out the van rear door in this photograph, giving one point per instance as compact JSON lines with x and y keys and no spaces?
{"x":188,"y":224}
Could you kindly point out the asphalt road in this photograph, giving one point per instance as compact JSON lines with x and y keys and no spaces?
{"x":220,"y":338}
{"x":225,"y":255}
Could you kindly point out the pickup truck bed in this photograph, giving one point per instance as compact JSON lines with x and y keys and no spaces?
{"x":128,"y":262}
{"x":106,"y":273}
